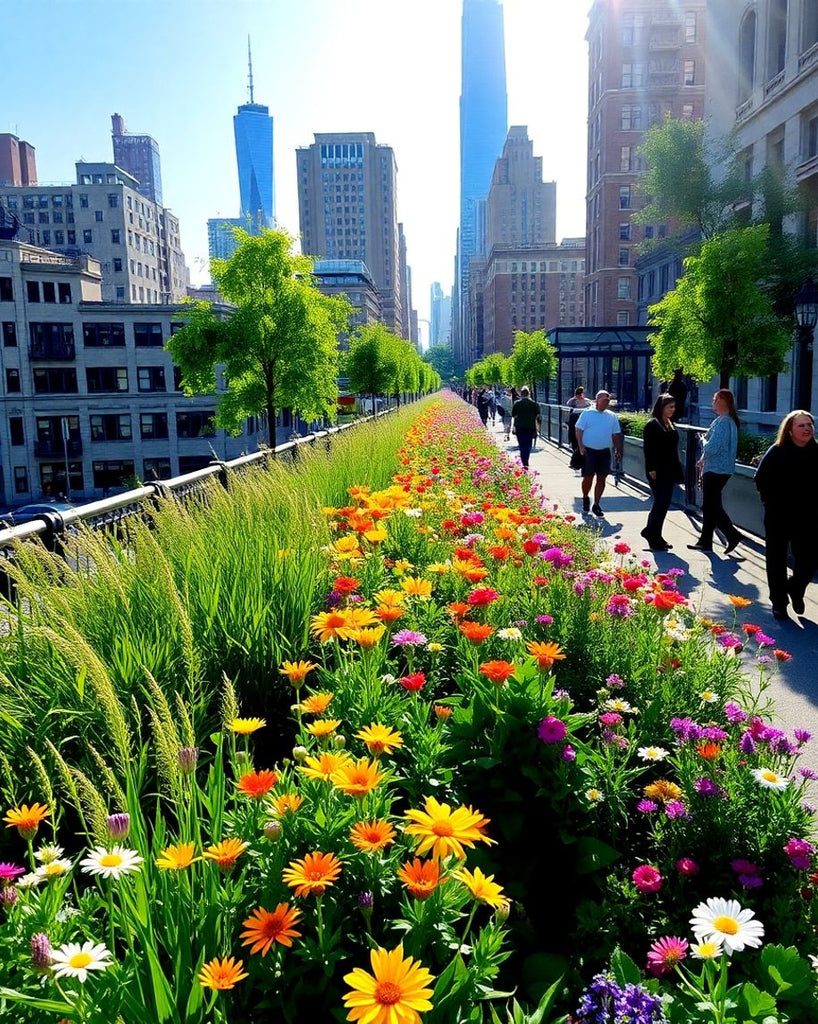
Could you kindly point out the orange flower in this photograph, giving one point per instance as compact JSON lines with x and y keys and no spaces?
{"x":372,"y":836}
{"x":316,"y":704}
{"x":500,"y":552}
{"x":323,"y":767}
{"x":443,"y":711}
{"x":545,"y":653}
{"x":388,"y":613}
{"x":225,"y":853}
{"x":311,"y":875}
{"x":286,"y":803}
{"x":296,"y":671}
{"x":330,"y":626}
{"x":176,"y":858}
{"x":368,"y":637}
{"x":458,"y":609}
{"x":665,"y":600}
{"x":663,"y":790}
{"x":357,"y":778}
{"x":26,"y":819}
{"x":738,"y":602}
{"x":475,"y":574}
{"x":256,"y":784}
{"x":709,"y":751}
{"x":380,"y":739}
{"x":264,"y":927}
{"x":421,"y":877}
{"x":346,"y":584}
{"x":476,"y":632}
{"x":504,"y":533}
{"x":497,"y":671}
{"x":222,"y":974}
{"x":323,"y":727}
{"x":417,"y":587}
{"x":357,"y":618}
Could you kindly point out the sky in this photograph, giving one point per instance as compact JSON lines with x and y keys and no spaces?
{"x":177,"y":70}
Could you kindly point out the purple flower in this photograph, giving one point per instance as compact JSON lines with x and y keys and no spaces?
{"x":552,"y":730}
{"x":619,"y":606}
{"x":8,"y":896}
{"x":729,"y":641}
{"x":747,"y":745}
{"x":561,"y":695}
{"x":615,"y":682}
{"x":800,"y":853}
{"x":568,"y":753}
{"x":801,"y":736}
{"x":119,"y":825}
{"x":744,"y":867}
{"x":713,"y":733}
{"x":520,"y":623}
{"x":9,"y":873}
{"x":783,"y":745}
{"x":751,"y":881}
{"x":676,"y":809}
{"x":686,"y":729}
{"x":408,"y":638}
{"x":764,"y":641}
{"x":40,"y":951}
{"x":647,"y":806}
{"x":807,"y":773}
{"x":333,"y":599}
{"x":706,"y":787}
{"x":734,"y":713}
{"x":808,"y":808}
{"x":544,"y":620}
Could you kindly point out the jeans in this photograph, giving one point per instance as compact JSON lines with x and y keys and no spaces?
{"x":662,"y":490}
{"x":525,"y":439}
{"x":713,"y":515}
{"x":781,"y":533}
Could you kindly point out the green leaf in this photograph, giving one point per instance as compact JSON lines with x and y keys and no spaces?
{"x":49,"y":1005}
{"x":790,"y":972}
{"x":594,"y":855}
{"x":624,"y":970}
{"x":756,"y":1001}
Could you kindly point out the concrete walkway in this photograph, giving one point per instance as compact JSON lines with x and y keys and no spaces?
{"x":709,"y":579}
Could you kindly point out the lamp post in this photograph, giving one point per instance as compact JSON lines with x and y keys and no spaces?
{"x":806,"y":315}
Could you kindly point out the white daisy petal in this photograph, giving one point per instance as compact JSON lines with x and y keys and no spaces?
{"x":725,"y":921}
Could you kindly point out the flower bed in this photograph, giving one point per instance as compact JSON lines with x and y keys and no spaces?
{"x":519,"y":764}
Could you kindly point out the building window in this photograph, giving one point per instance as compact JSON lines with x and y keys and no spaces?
{"x":625,"y":197}
{"x":87,"y":236}
{"x":633,"y":75}
{"x":55,"y":382}
{"x":690,"y":27}
{"x":116,"y":236}
{"x":33,"y":291}
{"x":72,"y":237}
{"x":20,"y":480}
{"x":12,"y":381}
{"x":59,"y":238}
{"x":623,"y":318}
{"x":648,"y":231}
{"x":51,"y":341}
{"x":156,"y":469}
{"x":151,"y":378}
{"x":112,"y":472}
{"x":117,"y":264}
{"x":689,"y":72}
{"x":148,"y":335}
{"x":809,"y":29}
{"x":631,"y":117}
{"x":769,"y":393}
{"x":624,"y":257}
{"x":83,"y":201}
{"x":9,"y":334}
{"x":153,"y":425}
{"x":687,"y":111}
{"x":16,"y":430}
{"x":49,"y":292}
{"x":103,"y":335}
{"x":624,"y":158}
{"x":6,"y":290}
{"x":113,"y":200}
{"x":195,"y":424}
{"x":111,"y":427}
{"x":625,"y":231}
{"x":98,"y":216}
{"x":623,"y":287}
{"x":106,"y":378}
{"x":120,"y":293}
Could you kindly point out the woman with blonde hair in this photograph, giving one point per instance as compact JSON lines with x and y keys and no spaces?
{"x":787,"y":480}
{"x":716,"y":465}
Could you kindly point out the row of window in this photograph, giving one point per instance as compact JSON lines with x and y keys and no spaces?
{"x":635,"y":74}
{"x":99,"y":380}
{"x":633,"y":29}
{"x":153,"y":426}
{"x":94,"y":335}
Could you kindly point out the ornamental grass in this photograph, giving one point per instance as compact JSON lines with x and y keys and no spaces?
{"x":406,"y":745}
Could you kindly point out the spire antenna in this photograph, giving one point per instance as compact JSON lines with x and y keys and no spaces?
{"x":250,"y":66}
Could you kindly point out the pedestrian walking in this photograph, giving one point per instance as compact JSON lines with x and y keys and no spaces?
{"x":526,"y":416}
{"x":501,"y":412}
{"x":662,"y":467}
{"x":492,"y":405}
{"x":716,"y":465}
{"x":576,"y":405}
{"x":597,"y":430}
{"x":787,"y":480}
{"x":483,"y":406}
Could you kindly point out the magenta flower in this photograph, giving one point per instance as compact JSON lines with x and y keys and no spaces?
{"x":734,"y":713}
{"x":544,"y":620}
{"x":764,"y":641}
{"x":801,"y":736}
{"x":647,"y":879}
{"x":9,"y":873}
{"x":552,"y":730}
{"x":800,"y":853}
{"x":568,"y":753}
{"x":647,"y":806}
{"x":707,"y":787}
{"x":687,"y":867}
{"x":610,"y":718}
{"x":665,"y":953}
{"x":619,"y":606}
{"x":408,"y":638}
{"x":615,"y":682}
{"x":676,"y":809}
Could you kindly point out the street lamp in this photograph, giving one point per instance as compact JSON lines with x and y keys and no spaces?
{"x":806,"y":315}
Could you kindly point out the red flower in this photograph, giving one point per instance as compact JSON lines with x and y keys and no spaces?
{"x":622,"y":549}
{"x":782,"y":655}
{"x":541,"y":581}
{"x":482,"y":596}
{"x":531,"y":547}
{"x":346,"y":584}
{"x":415,"y":681}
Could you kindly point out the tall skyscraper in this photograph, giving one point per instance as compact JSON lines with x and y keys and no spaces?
{"x":521,"y":208}
{"x":647,"y":59}
{"x":440,"y":317}
{"x":253,"y":129}
{"x":483,"y":126}
{"x":139,"y":156}
{"x":347,"y":209}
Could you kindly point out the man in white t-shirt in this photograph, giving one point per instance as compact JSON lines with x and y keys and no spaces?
{"x":597,"y":429}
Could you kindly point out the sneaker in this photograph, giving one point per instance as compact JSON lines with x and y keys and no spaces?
{"x":586,"y":504}
{"x":733,"y":543}
{"x":597,"y":510}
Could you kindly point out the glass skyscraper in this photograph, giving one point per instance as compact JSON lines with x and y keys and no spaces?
{"x":253,"y":127}
{"x":483,"y":129}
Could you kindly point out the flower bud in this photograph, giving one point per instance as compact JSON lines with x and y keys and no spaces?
{"x":273,"y":831}
{"x":366,"y":902}
{"x":501,"y":914}
{"x":339,"y":741}
{"x":8,"y":896}
{"x":40,"y":951}
{"x":188,"y":759}
{"x":119,"y":826}
{"x":300,"y":754}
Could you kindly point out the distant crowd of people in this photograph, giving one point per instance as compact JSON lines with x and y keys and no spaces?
{"x":786,"y":477}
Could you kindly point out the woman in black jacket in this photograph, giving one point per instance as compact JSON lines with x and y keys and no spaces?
{"x":662,"y":467}
{"x":787,"y":480}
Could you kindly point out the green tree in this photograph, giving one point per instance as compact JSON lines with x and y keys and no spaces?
{"x":718,"y":320}
{"x":533,"y":358}
{"x":277,"y":348}
{"x":441,"y":358}
{"x":371,"y":363}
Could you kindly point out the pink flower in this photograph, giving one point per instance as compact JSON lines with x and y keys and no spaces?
{"x":568,"y":753}
{"x":9,"y":873}
{"x":552,"y":730}
{"x":687,"y":867}
{"x":610,"y":718}
{"x":647,"y":879}
{"x":665,"y":953}
{"x":800,"y":853}
{"x":482,"y":596}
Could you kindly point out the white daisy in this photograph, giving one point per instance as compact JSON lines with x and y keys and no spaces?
{"x":73,"y":960}
{"x":509,"y":633}
{"x":622,"y":706}
{"x":111,"y":863}
{"x":30,"y":881}
{"x":653,"y":753}
{"x":769,"y":779}
{"x":414,"y":513}
{"x":594,"y":796}
{"x":53,"y":869}
{"x":709,"y":950}
{"x":48,"y":852}
{"x":708,"y":697}
{"x":719,"y":920}
{"x":814,"y":961}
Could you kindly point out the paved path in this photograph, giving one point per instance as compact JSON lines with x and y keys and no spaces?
{"x":708,"y":581}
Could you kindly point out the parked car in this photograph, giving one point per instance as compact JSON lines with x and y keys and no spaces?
{"x":27,"y":513}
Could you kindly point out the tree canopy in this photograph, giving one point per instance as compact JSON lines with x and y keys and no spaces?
{"x":533,"y":359}
{"x":380,"y":363}
{"x":719,"y":319}
{"x":441,"y":358}
{"x":276,"y":348}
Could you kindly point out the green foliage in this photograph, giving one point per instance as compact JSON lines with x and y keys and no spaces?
{"x":532,"y":359}
{"x":717,"y":320}
{"x":381,"y":363}
{"x":492,"y":369}
{"x":277,"y":348}
{"x":441,"y":359}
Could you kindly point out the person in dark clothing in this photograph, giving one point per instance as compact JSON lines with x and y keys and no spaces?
{"x":677,"y":389}
{"x":526,"y":417}
{"x":787,"y":480}
{"x":576,"y":405}
{"x":662,"y":467}
{"x":483,"y":406}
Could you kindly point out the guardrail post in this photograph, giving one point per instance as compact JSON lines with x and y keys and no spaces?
{"x":223,"y":474}
{"x":54,"y":529}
